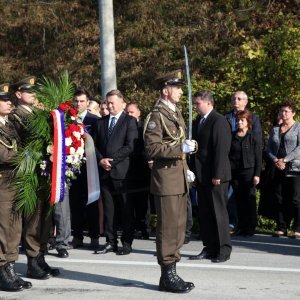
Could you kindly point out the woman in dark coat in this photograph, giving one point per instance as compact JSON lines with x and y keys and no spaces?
{"x":246,"y":161}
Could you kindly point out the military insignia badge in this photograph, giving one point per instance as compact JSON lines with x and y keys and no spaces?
{"x":151,"y":125}
{"x":5,"y":88}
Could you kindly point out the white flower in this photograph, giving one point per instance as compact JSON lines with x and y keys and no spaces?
{"x":51,"y":158}
{"x":72,"y":150}
{"x":77,"y":134}
{"x":73,"y":118}
{"x":68,"y":141}
{"x":50,"y":149}
{"x":80,"y":151}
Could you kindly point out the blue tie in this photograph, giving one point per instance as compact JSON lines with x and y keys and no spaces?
{"x":201,"y":123}
{"x":111,"y":126}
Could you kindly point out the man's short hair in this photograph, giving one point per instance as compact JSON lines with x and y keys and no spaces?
{"x":240,"y":92}
{"x":115,"y":93}
{"x":80,"y":92}
{"x":205,"y":95}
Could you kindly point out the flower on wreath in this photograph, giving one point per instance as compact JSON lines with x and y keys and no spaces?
{"x":74,"y":144}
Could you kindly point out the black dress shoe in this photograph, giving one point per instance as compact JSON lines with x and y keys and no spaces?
{"x":106,"y":248}
{"x":220,"y":258}
{"x":62,"y":253}
{"x":126,"y":249}
{"x":203,"y":255}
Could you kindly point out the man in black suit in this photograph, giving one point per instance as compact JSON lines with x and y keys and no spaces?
{"x":140,"y":175}
{"x":212,"y":168}
{"x":115,"y":139}
{"x":82,"y":214}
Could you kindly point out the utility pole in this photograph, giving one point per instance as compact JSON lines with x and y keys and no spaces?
{"x":107,"y":46}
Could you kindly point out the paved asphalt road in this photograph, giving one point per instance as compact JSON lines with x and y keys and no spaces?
{"x":261,"y":267}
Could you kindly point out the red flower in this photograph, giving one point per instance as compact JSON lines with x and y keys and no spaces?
{"x":68,"y":133}
{"x":63,"y":107}
{"x":77,"y":144}
{"x":67,"y":150}
{"x":68,"y":103}
{"x":73,"y":112}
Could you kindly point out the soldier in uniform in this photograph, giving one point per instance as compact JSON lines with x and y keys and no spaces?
{"x":10,"y":221}
{"x":36,"y":228}
{"x":165,"y":142}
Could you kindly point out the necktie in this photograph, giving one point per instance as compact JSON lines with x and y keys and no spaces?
{"x":111,"y":126}
{"x":202,"y":120}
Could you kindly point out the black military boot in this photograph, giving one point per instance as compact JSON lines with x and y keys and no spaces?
{"x":34,"y":270}
{"x":42,"y":263}
{"x":180,"y":280}
{"x":10,"y":270}
{"x":169,"y":283}
{"x":6,"y":283}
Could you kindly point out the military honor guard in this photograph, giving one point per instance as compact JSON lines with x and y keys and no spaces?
{"x":10,"y":221}
{"x":166,"y":143}
{"x":36,"y":227}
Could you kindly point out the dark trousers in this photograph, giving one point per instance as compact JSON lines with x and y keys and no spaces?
{"x":213,"y":216}
{"x":189,"y":218}
{"x":287,"y":195}
{"x":118,"y":209}
{"x":245,"y":197}
{"x":170,"y":228}
{"x":82,"y":214}
{"x":140,"y":209}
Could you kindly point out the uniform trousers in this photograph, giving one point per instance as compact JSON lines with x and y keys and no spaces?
{"x":170,"y":229}
{"x":214,"y":221}
{"x":10,"y":223}
{"x":36,"y":228}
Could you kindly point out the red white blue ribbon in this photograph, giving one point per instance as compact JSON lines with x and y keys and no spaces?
{"x":59,"y":158}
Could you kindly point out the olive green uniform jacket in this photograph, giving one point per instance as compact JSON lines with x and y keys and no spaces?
{"x":164,"y":133}
{"x":10,"y":222}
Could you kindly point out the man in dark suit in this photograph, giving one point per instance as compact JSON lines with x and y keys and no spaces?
{"x":115,"y":139}
{"x":212,"y":168}
{"x":82,"y":214}
{"x":140,"y":175}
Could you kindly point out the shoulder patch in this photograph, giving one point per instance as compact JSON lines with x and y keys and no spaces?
{"x":151,"y":125}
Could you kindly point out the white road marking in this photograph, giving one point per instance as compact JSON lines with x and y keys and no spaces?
{"x":189,"y":265}
{"x":270,"y":244}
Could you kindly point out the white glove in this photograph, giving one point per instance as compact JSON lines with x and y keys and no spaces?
{"x":190,"y":176}
{"x":188,"y":146}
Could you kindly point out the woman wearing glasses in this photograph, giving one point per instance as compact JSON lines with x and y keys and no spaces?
{"x":284,"y":151}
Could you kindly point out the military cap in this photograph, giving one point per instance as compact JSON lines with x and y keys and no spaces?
{"x":170,"y":79}
{"x":4,"y":92}
{"x":25,"y":85}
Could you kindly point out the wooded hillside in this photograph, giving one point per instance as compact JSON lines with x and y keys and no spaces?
{"x":245,"y":45}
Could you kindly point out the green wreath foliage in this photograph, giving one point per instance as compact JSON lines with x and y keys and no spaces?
{"x":30,"y":185}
